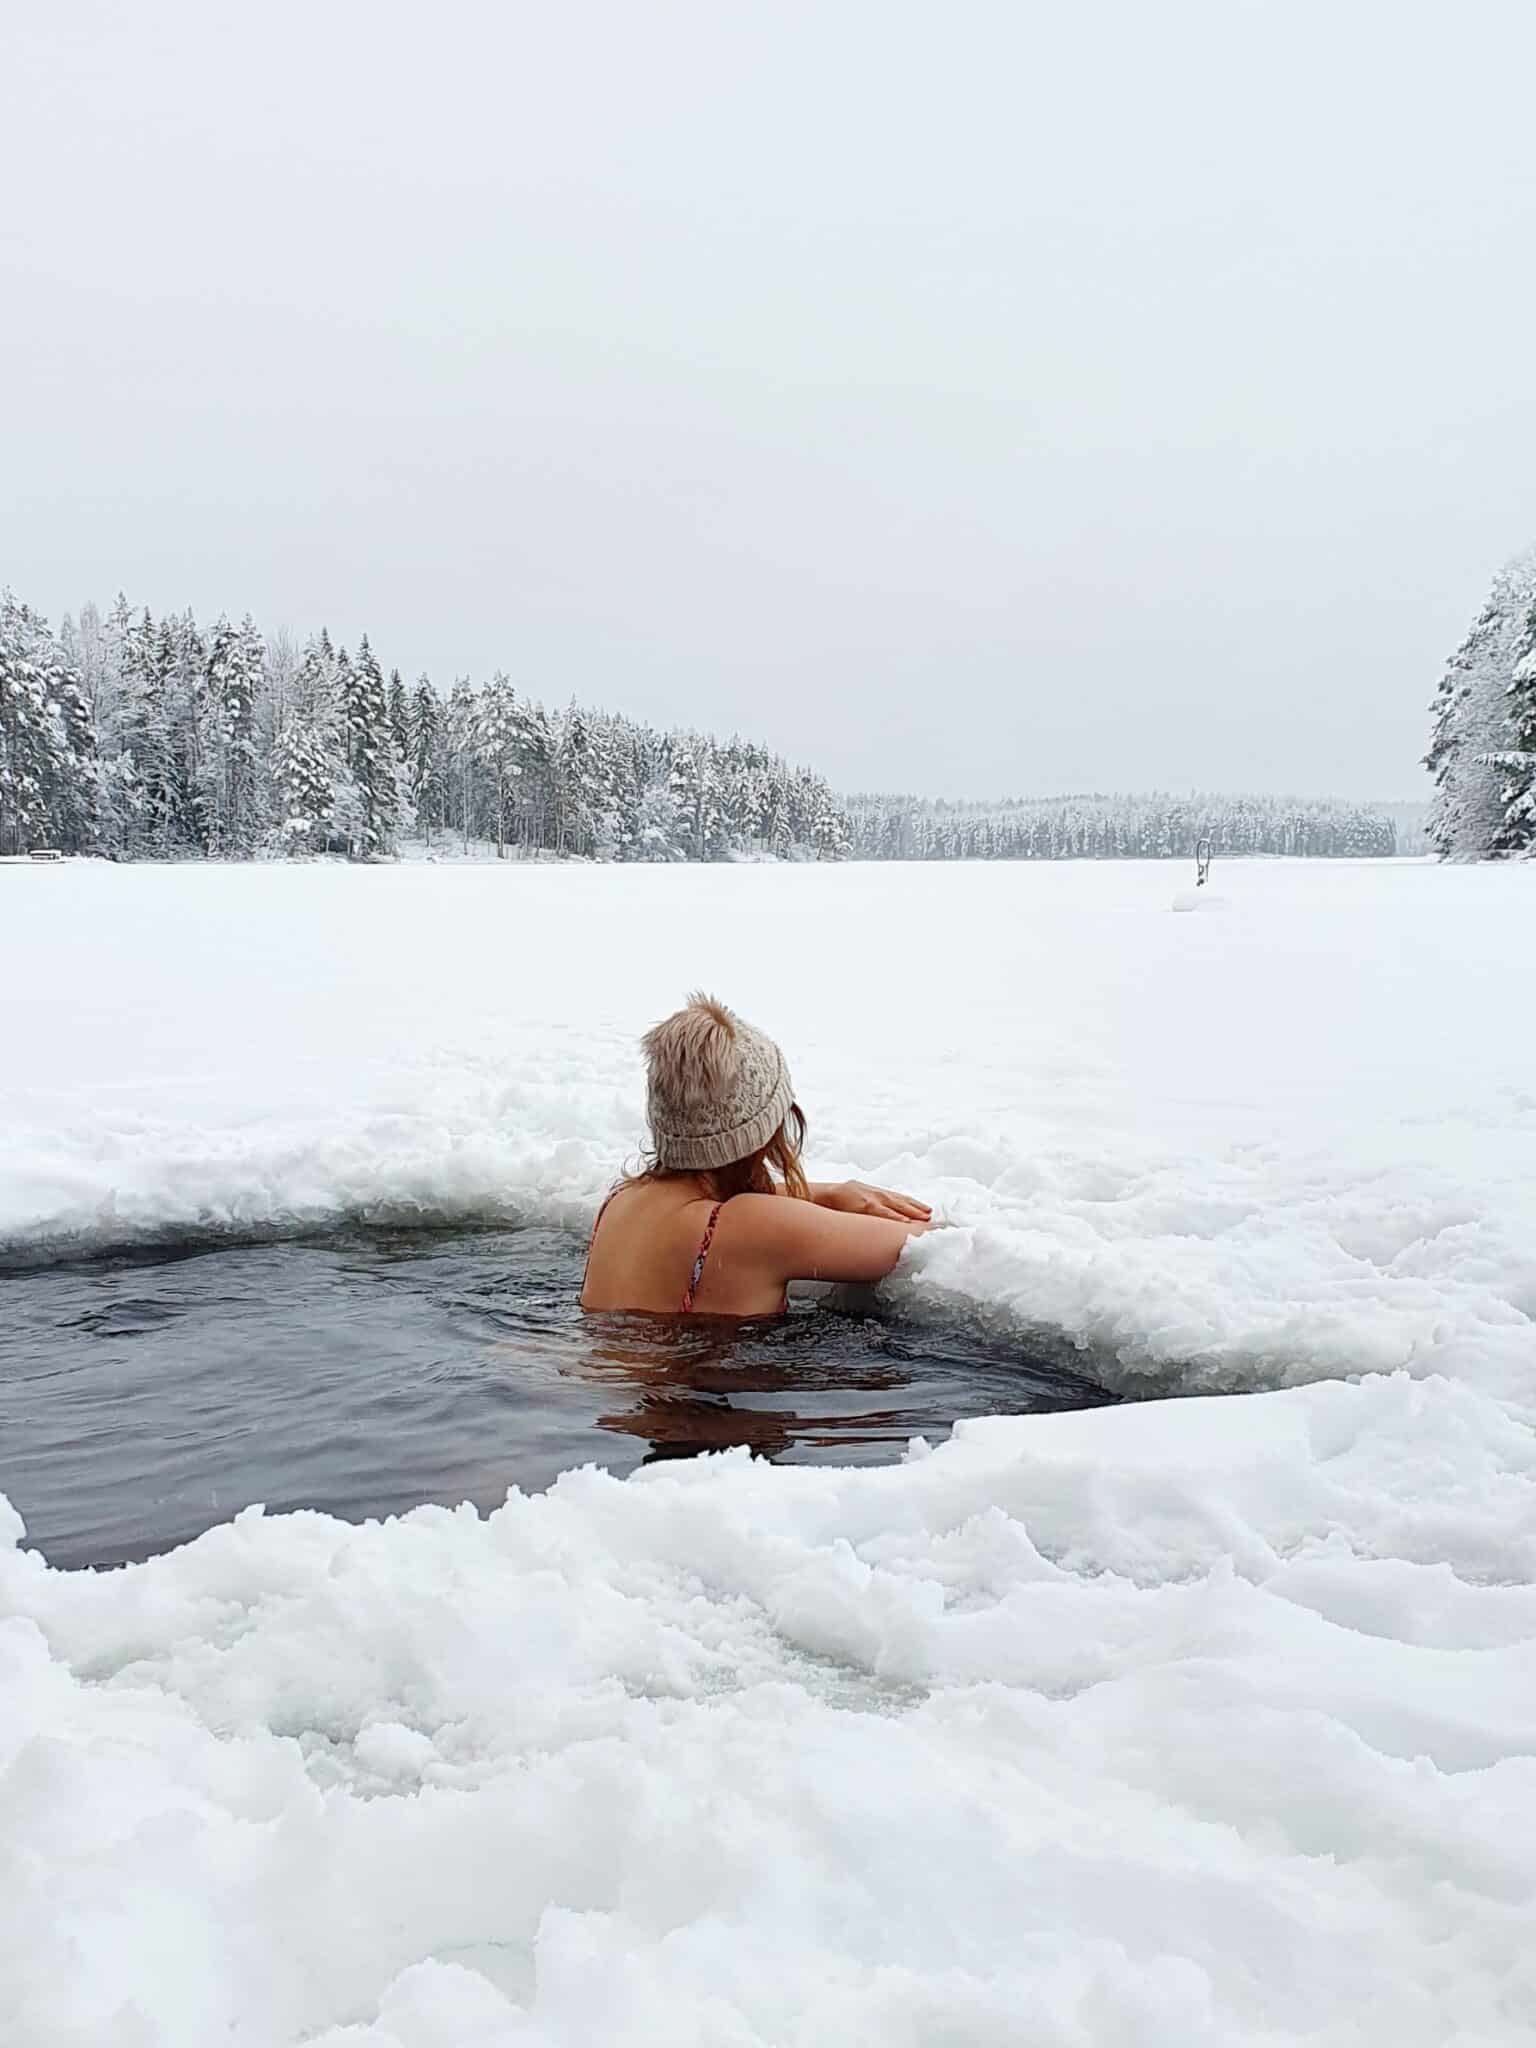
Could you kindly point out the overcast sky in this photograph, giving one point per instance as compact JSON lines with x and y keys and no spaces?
{"x":962,"y":398}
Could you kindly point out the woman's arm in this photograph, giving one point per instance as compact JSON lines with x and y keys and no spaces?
{"x":807,"y":1241}
{"x":858,"y":1198}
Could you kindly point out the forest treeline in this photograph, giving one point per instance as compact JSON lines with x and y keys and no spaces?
{"x":1152,"y":827}
{"x":1483,"y":747}
{"x":159,"y":739}
{"x":163,"y":739}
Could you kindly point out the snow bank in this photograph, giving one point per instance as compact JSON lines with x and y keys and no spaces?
{"x":1291,"y":1141}
{"x":1205,"y":1721}
{"x":1209,"y":1721}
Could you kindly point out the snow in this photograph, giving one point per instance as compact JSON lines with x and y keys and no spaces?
{"x":1210,"y":1721}
{"x":1206,"y":1720}
{"x":1199,"y":899}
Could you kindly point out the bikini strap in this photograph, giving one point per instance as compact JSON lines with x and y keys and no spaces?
{"x":698,"y":1264}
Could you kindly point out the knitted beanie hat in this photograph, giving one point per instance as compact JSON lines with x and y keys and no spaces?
{"x":716,"y":1090}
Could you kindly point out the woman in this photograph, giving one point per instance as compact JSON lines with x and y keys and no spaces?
{"x":723,"y":1218}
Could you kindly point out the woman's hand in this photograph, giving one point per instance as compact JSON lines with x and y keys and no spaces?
{"x":858,"y":1198}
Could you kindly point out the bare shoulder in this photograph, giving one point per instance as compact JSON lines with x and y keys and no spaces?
{"x":773,"y":1219}
{"x":758,"y":1215}
{"x":646,"y":1203}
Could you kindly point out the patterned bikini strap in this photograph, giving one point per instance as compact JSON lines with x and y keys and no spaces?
{"x":698,"y":1264}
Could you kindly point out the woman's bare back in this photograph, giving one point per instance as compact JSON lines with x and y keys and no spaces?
{"x":661,"y":1249}
{"x":651,"y":1235}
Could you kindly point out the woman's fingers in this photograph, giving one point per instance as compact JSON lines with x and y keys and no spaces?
{"x":902,"y":1211}
{"x":865,"y":1200}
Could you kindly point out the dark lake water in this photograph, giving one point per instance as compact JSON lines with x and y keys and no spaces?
{"x":147,"y":1397}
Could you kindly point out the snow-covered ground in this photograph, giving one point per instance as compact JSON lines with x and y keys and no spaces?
{"x":1208,"y":1721}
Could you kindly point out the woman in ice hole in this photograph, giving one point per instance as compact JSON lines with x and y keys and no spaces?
{"x":723,"y":1217}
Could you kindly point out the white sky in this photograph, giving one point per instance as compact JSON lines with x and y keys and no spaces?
{"x":965,"y":398}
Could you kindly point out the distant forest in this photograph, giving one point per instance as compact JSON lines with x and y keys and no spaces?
{"x":1111,"y":827}
{"x":163,"y":739}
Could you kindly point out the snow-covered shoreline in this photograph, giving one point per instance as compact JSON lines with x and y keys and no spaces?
{"x":1210,"y":1720}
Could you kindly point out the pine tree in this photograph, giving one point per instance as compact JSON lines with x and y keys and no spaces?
{"x":233,"y":678}
{"x":1478,"y":799}
{"x":425,"y":757}
{"x":773,"y":818}
{"x":577,"y":795}
{"x":74,"y":806}
{"x":498,"y":746}
{"x":745,"y":775}
{"x":370,"y":748}
{"x":48,"y":769}
{"x":303,"y":774}
{"x":154,"y":736}
{"x":314,"y":796}
{"x":194,"y":778}
{"x":133,"y":649}
{"x":314,"y":684}
{"x":693,"y":787}
{"x":399,"y":715}
{"x":1517,"y":760}
{"x":97,"y":647}
{"x":828,"y":822}
{"x":622,"y":825}
{"x":462,"y":761}
{"x":536,"y":758}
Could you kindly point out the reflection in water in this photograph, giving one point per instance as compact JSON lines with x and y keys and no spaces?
{"x":148,"y":1397}
{"x":691,"y":1384}
{"x":710,"y":1383}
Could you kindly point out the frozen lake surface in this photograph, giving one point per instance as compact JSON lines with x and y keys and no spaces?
{"x":1204,"y":1719}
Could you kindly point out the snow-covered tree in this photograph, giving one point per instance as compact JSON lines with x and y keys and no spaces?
{"x":1477,"y":755}
{"x":465,"y":778}
{"x":370,"y":748}
{"x":399,"y":714}
{"x":498,"y":735}
{"x":536,"y":757}
{"x":577,"y":784}
{"x":314,"y":691}
{"x":426,"y":757}
{"x":48,"y":765}
{"x":1517,"y":759}
{"x":315,"y":800}
{"x":305,"y":791}
{"x":693,"y":785}
{"x":236,"y":660}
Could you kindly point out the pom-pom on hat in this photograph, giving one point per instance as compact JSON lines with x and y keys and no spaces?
{"x":716,"y":1089}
